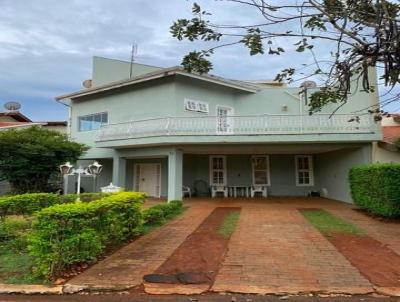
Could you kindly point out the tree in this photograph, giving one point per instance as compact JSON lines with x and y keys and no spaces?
{"x":358,"y":35}
{"x":29,"y":156}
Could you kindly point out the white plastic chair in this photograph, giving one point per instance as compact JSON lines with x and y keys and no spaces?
{"x":186,"y":190}
{"x":258,"y":189}
{"x":215,"y":189}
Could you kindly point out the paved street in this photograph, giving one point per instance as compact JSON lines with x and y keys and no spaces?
{"x":175,"y":298}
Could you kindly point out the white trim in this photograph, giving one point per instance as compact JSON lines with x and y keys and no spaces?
{"x":310,"y":170}
{"x":212,"y":170}
{"x":268,"y":170}
{"x":136,"y":185}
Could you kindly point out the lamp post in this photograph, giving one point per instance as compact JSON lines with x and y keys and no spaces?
{"x":92,"y":170}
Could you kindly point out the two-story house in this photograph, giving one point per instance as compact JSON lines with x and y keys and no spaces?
{"x":164,"y":128}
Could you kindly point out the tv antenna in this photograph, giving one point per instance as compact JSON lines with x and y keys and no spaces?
{"x":133,"y":55}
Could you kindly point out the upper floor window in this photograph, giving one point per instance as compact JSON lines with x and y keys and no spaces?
{"x":304,"y":170}
{"x":197,"y":106}
{"x":92,"y":121}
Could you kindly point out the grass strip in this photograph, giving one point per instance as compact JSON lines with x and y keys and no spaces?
{"x":229,"y":224}
{"x":149,"y":227}
{"x":327,"y":223}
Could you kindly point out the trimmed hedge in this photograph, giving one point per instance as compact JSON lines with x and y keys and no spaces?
{"x":159,"y":213}
{"x":27,"y":204}
{"x":66,"y":234}
{"x":376,"y":188}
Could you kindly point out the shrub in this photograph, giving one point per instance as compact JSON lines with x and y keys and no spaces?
{"x":27,"y":204}
{"x":153,"y":216}
{"x":376,"y":188}
{"x":159,"y":213}
{"x":66,"y":234}
{"x":84,"y":197}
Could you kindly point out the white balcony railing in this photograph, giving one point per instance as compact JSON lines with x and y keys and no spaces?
{"x":237,"y":125}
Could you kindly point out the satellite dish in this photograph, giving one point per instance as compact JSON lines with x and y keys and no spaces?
{"x":308,"y":85}
{"x":12,"y":106}
{"x":87,"y":83}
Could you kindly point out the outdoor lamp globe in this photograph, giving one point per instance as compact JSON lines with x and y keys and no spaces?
{"x":66,"y":168}
{"x":95,"y":168}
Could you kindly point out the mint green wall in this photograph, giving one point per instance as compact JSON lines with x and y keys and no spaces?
{"x":108,"y":70}
{"x":202,"y":91}
{"x":146,"y":100}
{"x":332,"y":169}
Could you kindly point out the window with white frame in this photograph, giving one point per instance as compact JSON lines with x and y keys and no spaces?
{"x":304,"y":170}
{"x":217,"y":170}
{"x":92,"y":121}
{"x":260,"y":165}
{"x":197,"y":106}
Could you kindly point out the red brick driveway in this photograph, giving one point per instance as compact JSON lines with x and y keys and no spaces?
{"x":273,"y":250}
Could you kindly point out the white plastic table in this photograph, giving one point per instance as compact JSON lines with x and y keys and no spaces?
{"x":233,"y":190}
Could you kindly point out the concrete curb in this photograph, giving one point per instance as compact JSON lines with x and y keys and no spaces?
{"x":30,"y":289}
{"x":388,"y":291}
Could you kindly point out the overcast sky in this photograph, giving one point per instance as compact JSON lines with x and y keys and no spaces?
{"x":46,"y":46}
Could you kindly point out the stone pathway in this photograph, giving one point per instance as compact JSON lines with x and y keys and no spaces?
{"x":126,"y":268}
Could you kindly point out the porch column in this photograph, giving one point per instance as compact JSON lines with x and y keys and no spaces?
{"x":119,"y":171}
{"x":175,"y":168}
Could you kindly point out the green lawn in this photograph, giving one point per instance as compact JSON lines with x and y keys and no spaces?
{"x":327,"y":223}
{"x":229,"y":224}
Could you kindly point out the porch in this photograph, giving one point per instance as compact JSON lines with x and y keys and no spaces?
{"x":235,"y":170}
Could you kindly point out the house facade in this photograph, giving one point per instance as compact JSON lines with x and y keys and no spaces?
{"x":164,"y":128}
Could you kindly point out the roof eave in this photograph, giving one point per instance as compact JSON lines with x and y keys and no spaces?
{"x":158,"y":75}
{"x":218,"y":81}
{"x":106,"y":88}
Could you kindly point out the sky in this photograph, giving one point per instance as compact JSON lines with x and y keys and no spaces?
{"x":46,"y":46}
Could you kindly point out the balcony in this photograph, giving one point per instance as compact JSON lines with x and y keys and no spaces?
{"x":238,"y":126}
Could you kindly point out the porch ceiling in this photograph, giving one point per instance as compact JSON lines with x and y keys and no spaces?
{"x":267,"y":148}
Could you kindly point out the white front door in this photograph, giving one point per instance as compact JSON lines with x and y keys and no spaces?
{"x":224,"y":120}
{"x":148,"y":179}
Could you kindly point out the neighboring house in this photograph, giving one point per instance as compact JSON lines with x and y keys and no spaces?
{"x":16,"y":120}
{"x":385,"y":151}
{"x":165,"y":128}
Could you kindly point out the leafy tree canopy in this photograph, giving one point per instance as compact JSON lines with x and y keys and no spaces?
{"x":344,"y":37}
{"x":29,"y":156}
